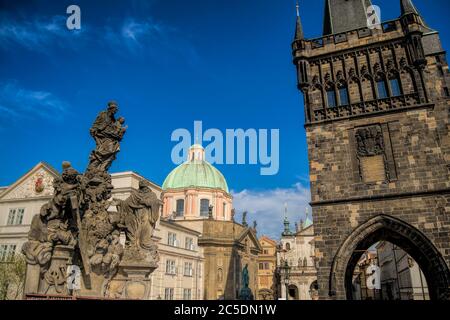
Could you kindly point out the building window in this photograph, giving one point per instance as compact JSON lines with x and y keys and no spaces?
{"x":172,"y":239}
{"x":170,"y":267}
{"x":395,"y":87}
{"x":288,"y":246}
{"x":343,"y":96}
{"x":261,"y":266}
{"x":266,"y":266}
{"x":331,"y":97}
{"x":188,"y":269}
{"x":382,"y":92}
{"x":168,"y":294}
{"x":15,"y":216}
{"x":180,"y":208}
{"x":189,"y":244}
{"x":265,"y":251}
{"x":187,"y":294}
{"x":7,"y":252}
{"x":204,"y":207}
{"x":224,"y":208}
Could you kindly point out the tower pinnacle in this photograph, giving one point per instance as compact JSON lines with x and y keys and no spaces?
{"x":298,"y":25}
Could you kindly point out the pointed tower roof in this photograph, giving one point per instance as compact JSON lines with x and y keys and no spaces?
{"x":298,"y":26}
{"x":345,"y":15}
{"x":406,"y":6}
{"x":287,"y":228}
{"x":308,"y":222}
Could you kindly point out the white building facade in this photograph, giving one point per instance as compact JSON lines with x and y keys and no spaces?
{"x":297,"y":250}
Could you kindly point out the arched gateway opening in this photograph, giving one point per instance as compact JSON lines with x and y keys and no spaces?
{"x":399,"y":233}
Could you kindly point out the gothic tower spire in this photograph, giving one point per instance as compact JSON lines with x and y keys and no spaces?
{"x":406,"y":6}
{"x":298,"y":26}
{"x":345,"y":15}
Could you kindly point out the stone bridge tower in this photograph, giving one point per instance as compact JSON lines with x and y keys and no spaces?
{"x":377,"y":123}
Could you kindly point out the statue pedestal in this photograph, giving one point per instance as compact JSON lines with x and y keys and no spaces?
{"x":54,"y":282}
{"x":131,"y":282}
{"x":32,"y":278}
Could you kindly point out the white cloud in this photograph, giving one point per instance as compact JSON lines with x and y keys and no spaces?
{"x":17,"y":102}
{"x":36,"y":34}
{"x":267,"y":207}
{"x":130,"y":36}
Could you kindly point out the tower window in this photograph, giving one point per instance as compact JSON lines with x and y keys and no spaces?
{"x":382,"y":92}
{"x":180,"y":207}
{"x":331,"y":97}
{"x":395,"y":87}
{"x":204,"y":207}
{"x":343,"y":96}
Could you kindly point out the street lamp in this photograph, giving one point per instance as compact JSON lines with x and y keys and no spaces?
{"x":287,"y":269}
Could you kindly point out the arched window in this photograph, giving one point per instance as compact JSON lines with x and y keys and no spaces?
{"x":204,"y":207}
{"x":395,"y":87}
{"x":331,"y":98}
{"x":288,"y":246}
{"x":343,"y":96}
{"x":382,"y":90}
{"x":180,"y":208}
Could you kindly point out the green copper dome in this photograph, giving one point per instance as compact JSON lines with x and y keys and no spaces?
{"x":196,"y":172}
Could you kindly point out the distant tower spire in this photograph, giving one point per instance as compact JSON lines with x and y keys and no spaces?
{"x":287,"y":228}
{"x":298,"y":25}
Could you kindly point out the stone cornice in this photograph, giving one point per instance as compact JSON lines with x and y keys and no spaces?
{"x":382,"y":197}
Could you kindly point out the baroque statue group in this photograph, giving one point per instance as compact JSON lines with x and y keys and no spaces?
{"x":110,"y":251}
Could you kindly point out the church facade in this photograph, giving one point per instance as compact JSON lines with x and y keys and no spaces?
{"x":296,"y":250}
{"x":196,"y":196}
{"x":377,"y":124}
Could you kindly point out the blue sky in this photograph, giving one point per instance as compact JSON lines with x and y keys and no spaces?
{"x":167,"y":63}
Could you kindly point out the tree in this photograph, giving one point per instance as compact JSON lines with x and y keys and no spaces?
{"x":12,"y":277}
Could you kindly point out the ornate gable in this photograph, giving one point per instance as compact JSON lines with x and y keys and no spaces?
{"x":38,"y":182}
{"x":247,"y":236}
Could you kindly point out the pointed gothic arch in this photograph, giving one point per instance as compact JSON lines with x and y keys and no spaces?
{"x":398,"y":232}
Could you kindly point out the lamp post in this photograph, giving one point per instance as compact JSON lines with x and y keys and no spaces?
{"x":287,"y":269}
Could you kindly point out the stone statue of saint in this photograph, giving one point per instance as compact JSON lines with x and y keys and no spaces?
{"x":245,"y":277}
{"x":139,"y":214}
{"x":244,"y":219}
{"x":107,"y":133}
{"x":245,"y":292}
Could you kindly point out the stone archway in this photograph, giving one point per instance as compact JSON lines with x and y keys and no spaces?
{"x":293,"y":292}
{"x":391,"y":229}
